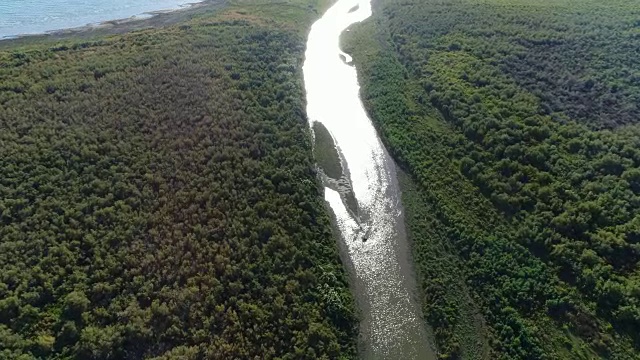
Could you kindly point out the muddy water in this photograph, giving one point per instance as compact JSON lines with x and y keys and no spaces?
{"x":374,"y":236}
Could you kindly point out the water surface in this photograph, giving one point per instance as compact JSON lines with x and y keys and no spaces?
{"x":375,"y":241}
{"x":23,"y":17}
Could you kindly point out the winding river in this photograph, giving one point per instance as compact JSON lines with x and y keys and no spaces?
{"x":391,"y":326}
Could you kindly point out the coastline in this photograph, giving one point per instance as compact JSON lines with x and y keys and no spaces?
{"x":146,"y":20}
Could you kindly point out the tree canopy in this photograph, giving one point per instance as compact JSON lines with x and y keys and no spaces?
{"x":159,"y":199}
{"x":517,"y":122}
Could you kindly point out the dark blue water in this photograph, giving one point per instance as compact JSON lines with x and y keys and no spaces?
{"x":22,"y":17}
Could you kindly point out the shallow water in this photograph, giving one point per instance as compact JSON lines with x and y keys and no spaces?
{"x":22,"y":17}
{"x":391,"y":326}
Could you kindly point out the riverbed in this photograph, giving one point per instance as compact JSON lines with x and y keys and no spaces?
{"x":375,"y":242}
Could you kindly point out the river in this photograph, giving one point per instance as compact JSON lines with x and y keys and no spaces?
{"x":391,"y":326}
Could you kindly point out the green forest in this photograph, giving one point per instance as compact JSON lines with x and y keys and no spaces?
{"x":159,"y":198}
{"x":517,"y":125}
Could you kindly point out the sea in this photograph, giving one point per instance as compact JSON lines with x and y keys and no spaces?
{"x":28,"y":17}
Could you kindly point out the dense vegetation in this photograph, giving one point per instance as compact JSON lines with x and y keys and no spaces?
{"x":517,"y":123}
{"x":325,"y":151}
{"x":158,"y":197}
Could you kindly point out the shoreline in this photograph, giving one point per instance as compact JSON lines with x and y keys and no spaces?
{"x":146,"y":20}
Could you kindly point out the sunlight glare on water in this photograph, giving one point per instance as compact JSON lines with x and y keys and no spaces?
{"x":391,"y":325}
